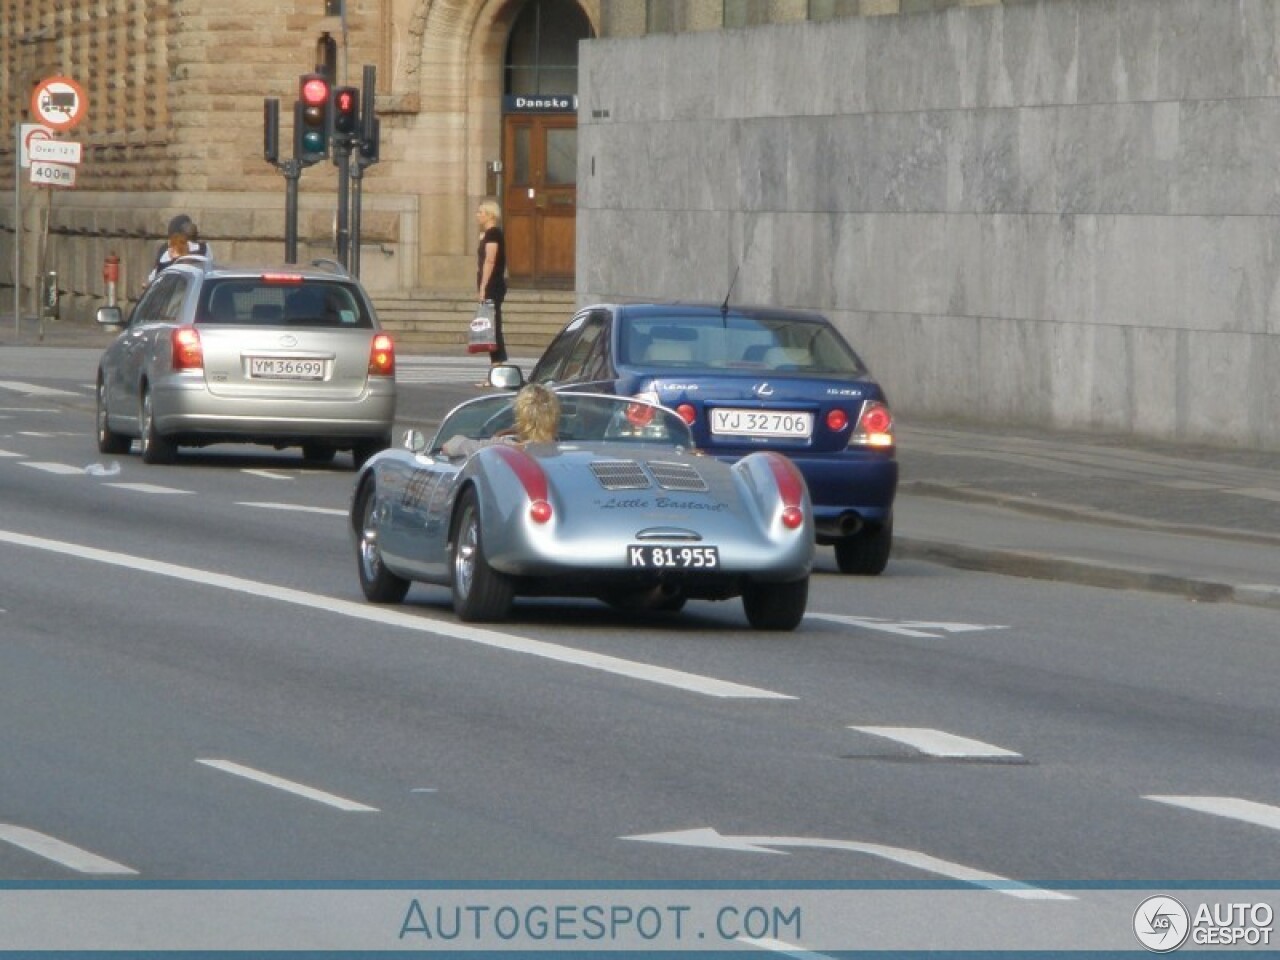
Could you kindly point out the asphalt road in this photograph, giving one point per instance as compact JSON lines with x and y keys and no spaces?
{"x":193,"y":689}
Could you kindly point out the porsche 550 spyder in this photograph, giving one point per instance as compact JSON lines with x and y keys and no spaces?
{"x":621,"y":507}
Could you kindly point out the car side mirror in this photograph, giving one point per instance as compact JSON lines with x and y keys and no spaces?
{"x":110,"y":317}
{"x":506,"y":376}
{"x":415,"y":442}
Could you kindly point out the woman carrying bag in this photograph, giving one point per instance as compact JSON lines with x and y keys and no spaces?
{"x":491,"y":273}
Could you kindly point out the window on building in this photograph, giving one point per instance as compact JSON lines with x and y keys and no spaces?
{"x":542,"y":54}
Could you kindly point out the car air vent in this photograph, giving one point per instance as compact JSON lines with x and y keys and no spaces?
{"x":677,"y":476}
{"x":620,"y":474}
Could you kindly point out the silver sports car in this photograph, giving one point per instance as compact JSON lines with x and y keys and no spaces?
{"x":621,"y":507}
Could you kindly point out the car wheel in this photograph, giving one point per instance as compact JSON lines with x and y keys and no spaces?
{"x":866,"y":553}
{"x":108,"y":440}
{"x":318,"y":452}
{"x":155,"y":448}
{"x":379,"y":584}
{"x":364,"y":449}
{"x":775,"y":606}
{"x":479,"y":591}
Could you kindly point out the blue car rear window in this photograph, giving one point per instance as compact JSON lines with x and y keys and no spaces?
{"x":781,"y":344}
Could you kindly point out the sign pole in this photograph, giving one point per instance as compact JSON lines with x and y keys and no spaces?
{"x":17,"y":228}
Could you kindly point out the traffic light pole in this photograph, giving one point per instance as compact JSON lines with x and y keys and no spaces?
{"x":342,"y":156}
{"x":292,"y":171}
{"x":357,"y":180}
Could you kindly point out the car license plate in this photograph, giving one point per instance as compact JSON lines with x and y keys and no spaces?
{"x":681,"y":558}
{"x":285,"y":368}
{"x":761,"y":423}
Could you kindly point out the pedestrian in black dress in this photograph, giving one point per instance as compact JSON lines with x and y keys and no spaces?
{"x":491,"y":271}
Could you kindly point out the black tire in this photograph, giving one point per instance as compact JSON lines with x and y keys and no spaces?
{"x":108,"y":440}
{"x":379,"y":584}
{"x":155,"y":448}
{"x":867,"y":553}
{"x":318,"y":452}
{"x":364,"y":449}
{"x":480,"y":593}
{"x":776,"y":606}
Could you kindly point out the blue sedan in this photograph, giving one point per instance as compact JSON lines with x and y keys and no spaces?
{"x":747,"y":379}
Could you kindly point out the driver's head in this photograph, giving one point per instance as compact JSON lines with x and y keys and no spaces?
{"x":537,"y":413}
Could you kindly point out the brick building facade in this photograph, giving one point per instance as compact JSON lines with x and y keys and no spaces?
{"x":175,"y":94}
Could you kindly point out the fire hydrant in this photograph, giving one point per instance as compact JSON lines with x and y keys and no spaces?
{"x":111,"y":274}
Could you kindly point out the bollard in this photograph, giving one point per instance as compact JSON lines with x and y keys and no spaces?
{"x":111,"y":274}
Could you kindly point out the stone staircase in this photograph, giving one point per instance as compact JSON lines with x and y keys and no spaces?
{"x":435,"y":322}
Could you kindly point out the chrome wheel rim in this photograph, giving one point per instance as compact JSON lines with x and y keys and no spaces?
{"x":102,"y":412}
{"x":370,"y":559}
{"x":146,"y":422}
{"x":464,"y":561}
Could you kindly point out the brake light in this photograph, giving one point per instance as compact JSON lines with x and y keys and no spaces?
{"x":837,"y":420}
{"x":687,"y":413}
{"x":382,"y":357}
{"x":282,"y":278}
{"x":188,"y":354}
{"x":875,"y":426}
{"x":790,"y":488}
{"x":531,"y":477}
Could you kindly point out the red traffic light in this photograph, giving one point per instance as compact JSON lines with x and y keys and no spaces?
{"x":346,"y":109}
{"x":315,"y":91}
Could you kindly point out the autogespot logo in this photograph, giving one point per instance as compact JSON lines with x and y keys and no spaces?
{"x":1161,"y":924}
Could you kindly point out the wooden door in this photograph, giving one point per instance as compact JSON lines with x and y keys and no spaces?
{"x":540,"y":197}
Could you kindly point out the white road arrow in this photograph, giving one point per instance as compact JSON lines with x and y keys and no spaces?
{"x":712,"y":839}
{"x":928,"y":629}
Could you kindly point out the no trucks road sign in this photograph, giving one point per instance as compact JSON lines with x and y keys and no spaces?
{"x":59,"y":102}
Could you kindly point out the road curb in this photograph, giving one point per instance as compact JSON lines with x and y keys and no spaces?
{"x":1037,"y":566}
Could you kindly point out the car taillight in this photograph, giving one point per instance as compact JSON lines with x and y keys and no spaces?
{"x":687,"y":413}
{"x":790,"y":488}
{"x":531,"y":477}
{"x":290,"y":278}
{"x":837,"y":420}
{"x":187,"y":352}
{"x":382,"y":357}
{"x":875,"y":426}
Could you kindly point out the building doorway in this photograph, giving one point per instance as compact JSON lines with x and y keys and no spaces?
{"x":540,"y":143}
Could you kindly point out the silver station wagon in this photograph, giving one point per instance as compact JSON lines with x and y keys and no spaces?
{"x":288,"y":356}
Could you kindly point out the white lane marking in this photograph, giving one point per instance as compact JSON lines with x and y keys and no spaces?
{"x":713,"y":839}
{"x":269,"y":474}
{"x":926,"y":629}
{"x":301,"y":508}
{"x":8,"y":453}
{"x":62,"y":469}
{"x":50,"y":848}
{"x":29,"y":410}
{"x":289,"y":786}
{"x":1233,"y":808}
{"x":648,"y":673}
{"x":781,"y":946}
{"x":147,"y":488}
{"x":32,"y":390}
{"x":938,"y":743}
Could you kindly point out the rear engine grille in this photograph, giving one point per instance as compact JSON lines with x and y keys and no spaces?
{"x":677,"y":476}
{"x":620,"y":474}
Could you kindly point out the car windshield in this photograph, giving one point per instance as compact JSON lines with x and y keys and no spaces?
{"x":735,"y":342}
{"x":286,"y":300}
{"x":584,"y":418}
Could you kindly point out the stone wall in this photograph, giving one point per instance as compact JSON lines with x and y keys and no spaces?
{"x":1058,"y":213}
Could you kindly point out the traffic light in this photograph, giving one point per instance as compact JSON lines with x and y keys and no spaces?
{"x":311,"y":119}
{"x":346,"y":111}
